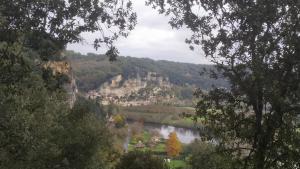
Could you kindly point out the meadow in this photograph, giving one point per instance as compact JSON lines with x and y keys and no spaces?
{"x":162,"y":114}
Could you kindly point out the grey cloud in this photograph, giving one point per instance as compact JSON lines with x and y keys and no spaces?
{"x":152,"y":38}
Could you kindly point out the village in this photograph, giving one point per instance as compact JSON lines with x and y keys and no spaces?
{"x":137,"y":91}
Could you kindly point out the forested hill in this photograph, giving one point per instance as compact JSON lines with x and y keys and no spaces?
{"x":92,"y":70}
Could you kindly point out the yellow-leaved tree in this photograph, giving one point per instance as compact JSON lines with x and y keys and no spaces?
{"x":173,"y":146}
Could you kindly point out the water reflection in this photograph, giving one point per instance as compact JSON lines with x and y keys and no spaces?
{"x":185,"y":135}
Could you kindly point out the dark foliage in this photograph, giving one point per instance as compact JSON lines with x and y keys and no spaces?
{"x":47,"y":26}
{"x":256,"y":46}
{"x":141,"y":160}
{"x":38,"y":130}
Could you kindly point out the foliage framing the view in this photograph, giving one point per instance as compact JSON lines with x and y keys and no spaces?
{"x":38,"y":129}
{"x":256,"y":46}
{"x":141,"y":160}
{"x":47,"y":26}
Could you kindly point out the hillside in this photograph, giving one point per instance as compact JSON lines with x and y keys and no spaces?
{"x":92,"y":70}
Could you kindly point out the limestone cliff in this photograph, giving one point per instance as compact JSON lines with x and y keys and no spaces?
{"x":63,"y":68}
{"x":71,"y":89}
{"x":150,"y":89}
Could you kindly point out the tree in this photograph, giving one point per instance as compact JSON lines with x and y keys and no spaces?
{"x":37,"y":127}
{"x":202,"y":156}
{"x":255,"y":45}
{"x":85,"y":141}
{"x":136,"y":129}
{"x":42,"y":132}
{"x":29,"y":123}
{"x":119,"y":120}
{"x":47,"y":26}
{"x":141,"y":160}
{"x":173,"y":146}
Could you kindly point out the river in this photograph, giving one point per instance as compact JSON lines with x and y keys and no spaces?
{"x":185,"y":135}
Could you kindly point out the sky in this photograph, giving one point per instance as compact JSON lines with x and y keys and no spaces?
{"x":152,"y":38}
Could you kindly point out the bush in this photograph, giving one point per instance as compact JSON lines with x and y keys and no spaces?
{"x":119,"y":120}
{"x":141,"y":160}
{"x":204,"y":156}
{"x":136,"y":128}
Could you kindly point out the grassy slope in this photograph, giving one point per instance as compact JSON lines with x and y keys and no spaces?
{"x":177,"y":164}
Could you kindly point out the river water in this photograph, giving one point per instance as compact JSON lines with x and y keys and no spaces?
{"x":185,"y":135}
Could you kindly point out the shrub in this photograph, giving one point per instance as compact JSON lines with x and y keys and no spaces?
{"x":141,"y":160}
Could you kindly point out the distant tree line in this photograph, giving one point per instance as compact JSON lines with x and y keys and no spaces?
{"x":92,"y":70}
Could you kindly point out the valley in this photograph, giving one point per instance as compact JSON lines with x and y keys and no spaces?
{"x":143,"y":89}
{"x":176,"y":84}
{"x":145,"y":101}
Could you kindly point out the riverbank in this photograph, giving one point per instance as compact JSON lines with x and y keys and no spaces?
{"x":161,"y":114}
{"x":145,"y":142}
{"x":148,"y":136}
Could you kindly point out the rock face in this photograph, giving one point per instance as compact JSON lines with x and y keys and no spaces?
{"x":72,"y":90}
{"x":150,"y":89}
{"x":58,"y":67}
{"x":64,"y":68}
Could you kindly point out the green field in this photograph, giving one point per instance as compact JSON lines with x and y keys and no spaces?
{"x":159,"y":149}
{"x":162,"y":114}
{"x":177,"y":164}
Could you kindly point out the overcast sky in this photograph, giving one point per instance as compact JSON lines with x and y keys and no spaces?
{"x":152,"y":38}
